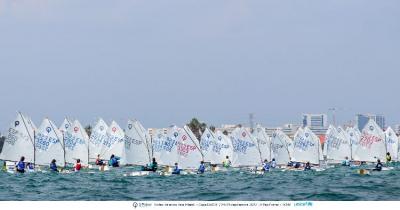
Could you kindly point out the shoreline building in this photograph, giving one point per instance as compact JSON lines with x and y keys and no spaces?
{"x":362,"y":120}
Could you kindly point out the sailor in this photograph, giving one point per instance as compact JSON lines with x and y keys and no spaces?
{"x":176,"y":170}
{"x":78,"y":165}
{"x":21,"y":165}
{"x":153,"y":166}
{"x":202,"y":168}
{"x":307,"y":167}
{"x":388,"y":157}
{"x":273,"y":163}
{"x":291,"y":162}
{"x":346,"y":162}
{"x":99,"y":161}
{"x":266,"y":166}
{"x":378,"y":166}
{"x":4,"y":168}
{"x":53,"y":166}
{"x":114,"y":161}
{"x":30,"y":167}
{"x":227,"y":162}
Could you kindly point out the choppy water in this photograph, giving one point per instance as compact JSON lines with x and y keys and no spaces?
{"x":338,"y":184}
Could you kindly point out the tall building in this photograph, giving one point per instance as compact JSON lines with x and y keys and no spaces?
{"x":315,"y":120}
{"x":362,"y":120}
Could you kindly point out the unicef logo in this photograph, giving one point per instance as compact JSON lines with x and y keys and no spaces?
{"x":159,"y":136}
{"x":244,"y":134}
{"x":66,"y":126}
{"x":48,"y":129}
{"x":130,"y":126}
{"x":307,"y":134}
{"x":351,"y":134}
{"x":184,"y":138}
{"x":371,"y":128}
{"x":208,"y":135}
{"x":274,"y":135}
{"x":102,"y":128}
{"x":176,"y":134}
{"x":76,"y":129}
{"x":220,"y":138}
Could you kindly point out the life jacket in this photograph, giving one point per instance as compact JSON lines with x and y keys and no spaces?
{"x":78,"y":167}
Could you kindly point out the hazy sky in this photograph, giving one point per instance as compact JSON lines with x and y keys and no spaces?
{"x":164,"y":62}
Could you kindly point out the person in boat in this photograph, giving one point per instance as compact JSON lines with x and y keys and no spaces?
{"x":99,"y":161}
{"x":53,"y":166}
{"x":21,"y":165}
{"x":346,"y":162}
{"x":4,"y":168}
{"x":273,"y":163}
{"x":266,"y":166}
{"x":388,"y":157}
{"x":378,"y":166}
{"x":202,"y":168}
{"x":78,"y":165}
{"x":176,"y":170}
{"x":227,"y":163}
{"x":307,"y":167}
{"x":114,"y":161}
{"x":153,"y":166}
{"x":30,"y":167}
{"x":297,"y":165}
{"x":291,"y":163}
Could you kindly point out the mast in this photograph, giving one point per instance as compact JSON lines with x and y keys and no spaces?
{"x":30,"y":137}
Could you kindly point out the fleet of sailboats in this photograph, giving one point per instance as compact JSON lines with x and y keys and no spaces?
{"x":135,"y":146}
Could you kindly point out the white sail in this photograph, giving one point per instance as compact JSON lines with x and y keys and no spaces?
{"x":264,"y":143}
{"x":148,"y":138}
{"x":282,"y":147}
{"x":99,"y":134}
{"x":307,"y":147}
{"x":189,"y":153}
{"x":76,"y":143}
{"x":136,"y":145}
{"x":158,"y":138}
{"x":48,"y":144}
{"x":337,"y":145}
{"x":222,"y":148}
{"x":65,"y":125}
{"x":168,"y":147}
{"x":372,"y":144}
{"x":354,"y":136}
{"x":114,"y":143}
{"x":206,"y":144}
{"x":19,"y":142}
{"x":245,"y":149}
{"x":392,"y":143}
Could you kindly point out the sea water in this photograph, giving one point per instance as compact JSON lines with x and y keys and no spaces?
{"x":334,"y":184}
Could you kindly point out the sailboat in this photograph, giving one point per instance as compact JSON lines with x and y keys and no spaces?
{"x":114,"y":143}
{"x":371,"y":144}
{"x":337,"y":146}
{"x":282,"y":148}
{"x":137,"y":150}
{"x":354,"y":136}
{"x":207,"y":143}
{"x":189,"y":152}
{"x":19,"y":142}
{"x":76,"y":143}
{"x":49,"y":144}
{"x":392,"y":144}
{"x":245,"y":149}
{"x":158,"y":138}
{"x":222,"y":148}
{"x":307,"y":147}
{"x":99,"y":134}
{"x":168,"y":147}
{"x":263,"y":142}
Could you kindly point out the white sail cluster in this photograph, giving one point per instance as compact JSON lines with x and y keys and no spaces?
{"x":135,"y":146}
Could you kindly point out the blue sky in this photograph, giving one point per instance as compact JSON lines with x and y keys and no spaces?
{"x":164,"y":62}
